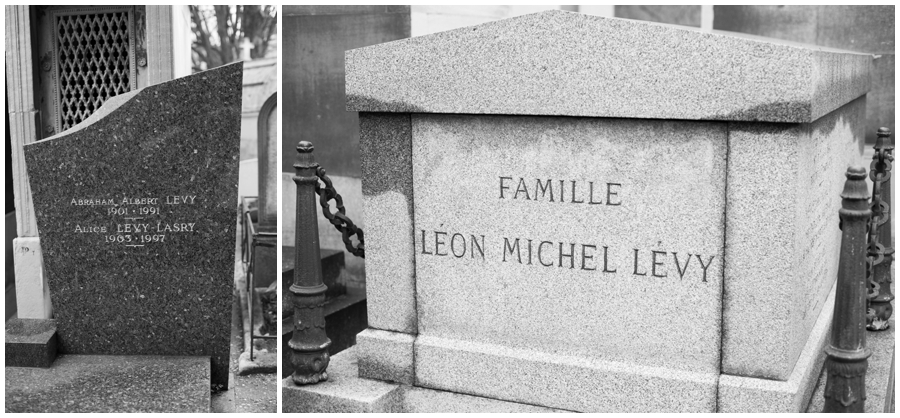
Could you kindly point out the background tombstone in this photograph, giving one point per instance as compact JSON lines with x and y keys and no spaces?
{"x":268,"y":144}
{"x":690,"y":261}
{"x":137,"y":209}
{"x":266,"y":265}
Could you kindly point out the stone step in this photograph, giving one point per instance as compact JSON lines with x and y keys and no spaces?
{"x":30,"y":342}
{"x":107,"y":383}
{"x":879,"y":382}
{"x":346,"y":392}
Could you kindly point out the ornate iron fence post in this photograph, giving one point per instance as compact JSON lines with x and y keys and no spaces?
{"x":881,"y":250}
{"x":308,"y":342}
{"x":845,"y":388}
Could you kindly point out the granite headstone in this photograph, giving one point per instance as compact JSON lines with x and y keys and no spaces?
{"x":137,"y":209}
{"x":599,"y":214}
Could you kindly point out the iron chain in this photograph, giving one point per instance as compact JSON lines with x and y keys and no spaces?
{"x":339,"y":218}
{"x":879,"y":172}
{"x":875,"y":251}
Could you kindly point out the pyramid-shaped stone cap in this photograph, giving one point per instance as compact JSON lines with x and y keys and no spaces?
{"x":564,"y":63}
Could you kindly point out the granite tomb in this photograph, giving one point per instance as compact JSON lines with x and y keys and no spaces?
{"x":598,"y":215}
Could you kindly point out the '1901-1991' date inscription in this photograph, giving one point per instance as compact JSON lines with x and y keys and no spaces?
{"x":133,"y":224}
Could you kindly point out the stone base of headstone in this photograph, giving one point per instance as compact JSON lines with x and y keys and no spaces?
{"x":30,"y":342}
{"x":879,"y":390}
{"x":346,"y":392}
{"x":108,"y":383}
{"x":345,"y":317}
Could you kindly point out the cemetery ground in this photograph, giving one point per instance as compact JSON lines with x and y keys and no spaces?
{"x":253,"y":384}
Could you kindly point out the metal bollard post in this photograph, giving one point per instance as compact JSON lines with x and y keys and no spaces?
{"x":309,"y":343}
{"x":845,"y":388}
{"x":881,"y":249}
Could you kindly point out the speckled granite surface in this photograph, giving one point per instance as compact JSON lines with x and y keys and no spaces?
{"x":343,"y":392}
{"x":564,"y":63}
{"x":557,"y":380}
{"x":385,"y":144}
{"x":738,"y":393}
{"x":784,"y":185}
{"x":91,"y":383}
{"x":386,"y":355}
{"x":135,"y":209}
{"x":30,"y":342}
{"x":565,"y":213}
{"x":346,"y":392}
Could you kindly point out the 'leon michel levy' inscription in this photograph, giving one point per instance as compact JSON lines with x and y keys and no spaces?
{"x":135,"y":221}
{"x":572,"y":255}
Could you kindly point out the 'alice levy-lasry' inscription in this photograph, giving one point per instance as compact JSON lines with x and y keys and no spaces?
{"x":134,"y":224}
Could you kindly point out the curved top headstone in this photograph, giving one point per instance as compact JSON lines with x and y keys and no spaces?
{"x":571,"y":64}
{"x":137,"y":210}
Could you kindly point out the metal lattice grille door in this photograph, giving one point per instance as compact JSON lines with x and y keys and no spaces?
{"x":94,"y":51}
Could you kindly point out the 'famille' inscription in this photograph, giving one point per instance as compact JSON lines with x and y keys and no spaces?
{"x":551,"y":190}
{"x":134,"y":223}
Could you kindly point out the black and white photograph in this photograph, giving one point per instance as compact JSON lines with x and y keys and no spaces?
{"x":589,"y":208}
{"x":474,"y":209}
{"x":141,"y":223}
